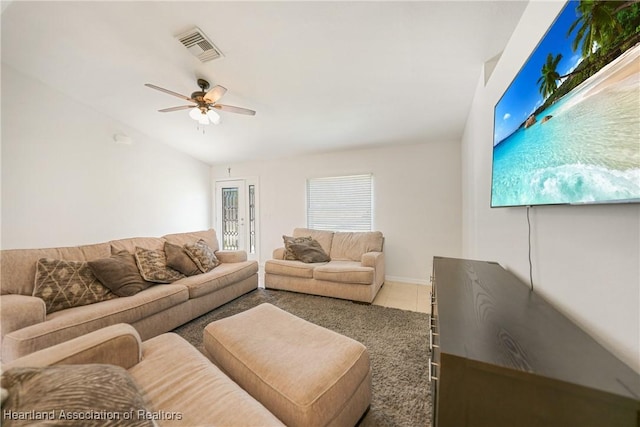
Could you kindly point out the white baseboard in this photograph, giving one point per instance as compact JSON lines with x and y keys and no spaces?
{"x":411,"y":280}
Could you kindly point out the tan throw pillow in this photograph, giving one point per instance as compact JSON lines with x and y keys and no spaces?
{"x":288,"y":241}
{"x":153,"y":266}
{"x":102,"y":395}
{"x":120,"y":274}
{"x":65,"y":284}
{"x":202,"y":255}
{"x":178,"y":259}
{"x":309,"y":251}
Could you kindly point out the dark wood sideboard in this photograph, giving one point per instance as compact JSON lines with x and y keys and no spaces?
{"x":503,"y":356}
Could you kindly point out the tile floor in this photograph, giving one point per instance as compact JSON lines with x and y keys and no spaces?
{"x":405,"y":296}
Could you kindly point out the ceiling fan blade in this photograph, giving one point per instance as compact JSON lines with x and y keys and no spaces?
{"x":215,"y":94}
{"x":170,"y":92}
{"x":233,"y":109}
{"x":182,"y":107}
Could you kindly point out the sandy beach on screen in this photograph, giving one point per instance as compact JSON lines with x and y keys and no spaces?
{"x":625,"y":70}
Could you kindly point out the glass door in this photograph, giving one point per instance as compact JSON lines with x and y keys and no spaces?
{"x":236,"y":219}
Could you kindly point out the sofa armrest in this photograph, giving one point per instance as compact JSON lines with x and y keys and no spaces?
{"x":375,"y":260}
{"x":20,"y":311}
{"x":372,"y":259}
{"x":114,"y":345}
{"x":278,"y":253}
{"x":231,"y":256}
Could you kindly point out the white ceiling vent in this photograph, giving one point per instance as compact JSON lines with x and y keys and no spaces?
{"x":199,"y":45}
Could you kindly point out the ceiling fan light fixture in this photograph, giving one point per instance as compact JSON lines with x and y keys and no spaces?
{"x":204,"y":120}
{"x":195,"y":113}
{"x":213,"y":116}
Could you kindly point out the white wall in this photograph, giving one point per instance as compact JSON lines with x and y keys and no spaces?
{"x":417,"y":199}
{"x":66,"y":182}
{"x":586,"y":258}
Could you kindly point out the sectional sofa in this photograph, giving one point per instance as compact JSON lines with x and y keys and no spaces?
{"x":26,"y":326}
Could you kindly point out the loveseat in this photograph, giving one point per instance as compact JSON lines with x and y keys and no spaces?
{"x":27,"y":327}
{"x":178,"y":385}
{"x":354,"y":271}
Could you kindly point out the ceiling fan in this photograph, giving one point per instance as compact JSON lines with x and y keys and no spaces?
{"x":205,"y":103}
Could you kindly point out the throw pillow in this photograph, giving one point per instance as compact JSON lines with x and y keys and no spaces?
{"x":202,"y":255}
{"x":120,"y":274}
{"x":178,"y":259}
{"x":288,"y":240}
{"x":153,"y":266}
{"x":64,"y":284}
{"x":309,"y":251}
{"x":65,"y":395}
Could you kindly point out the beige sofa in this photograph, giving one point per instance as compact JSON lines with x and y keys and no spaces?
{"x":26,"y":327}
{"x":179,"y":385}
{"x":355,"y":271}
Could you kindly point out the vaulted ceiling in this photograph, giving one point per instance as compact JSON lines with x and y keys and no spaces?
{"x":322,"y":76}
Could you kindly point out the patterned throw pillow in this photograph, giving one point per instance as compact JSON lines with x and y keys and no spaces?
{"x":178,"y":259}
{"x":202,"y":255}
{"x":153,"y":266}
{"x":120,"y":274}
{"x":65,"y":284}
{"x":64,"y":391}
{"x":288,"y":241}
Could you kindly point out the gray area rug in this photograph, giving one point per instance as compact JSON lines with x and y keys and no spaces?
{"x":396,"y":340}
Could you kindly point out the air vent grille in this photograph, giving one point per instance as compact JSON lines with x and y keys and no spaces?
{"x":199,"y":45}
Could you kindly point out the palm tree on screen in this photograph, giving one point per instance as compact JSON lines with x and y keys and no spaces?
{"x":548,"y":81}
{"x":596,"y":24}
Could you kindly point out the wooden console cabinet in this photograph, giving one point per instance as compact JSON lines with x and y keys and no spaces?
{"x":504,"y":357}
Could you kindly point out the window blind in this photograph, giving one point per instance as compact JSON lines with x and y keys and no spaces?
{"x":343,"y":203}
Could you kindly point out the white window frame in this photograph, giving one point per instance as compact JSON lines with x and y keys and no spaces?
{"x":340,"y":203}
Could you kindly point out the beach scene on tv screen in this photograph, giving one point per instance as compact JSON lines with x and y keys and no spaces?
{"x":567,"y":130}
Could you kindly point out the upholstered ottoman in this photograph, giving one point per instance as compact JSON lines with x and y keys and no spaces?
{"x":304,"y":374}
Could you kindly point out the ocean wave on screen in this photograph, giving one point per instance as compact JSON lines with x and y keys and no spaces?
{"x":579,"y":183}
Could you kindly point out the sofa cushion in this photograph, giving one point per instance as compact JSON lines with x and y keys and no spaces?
{"x":209,"y":236}
{"x":67,"y":324}
{"x":18,"y":266}
{"x":231,"y":256}
{"x":290,"y":268}
{"x":63,"y":284}
{"x":222,"y":276}
{"x":323,"y":237}
{"x":131,"y":243}
{"x":176,"y":378}
{"x":202,"y":255}
{"x":74,"y":390}
{"x":179,"y":260}
{"x":153,"y":300}
{"x":120,"y":274}
{"x":344,"y":272}
{"x":153,"y":266}
{"x":352,"y":245}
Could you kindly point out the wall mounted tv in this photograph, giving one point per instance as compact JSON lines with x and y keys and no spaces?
{"x":567,"y":129}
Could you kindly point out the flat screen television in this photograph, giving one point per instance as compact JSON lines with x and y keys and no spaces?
{"x":567,"y":129}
